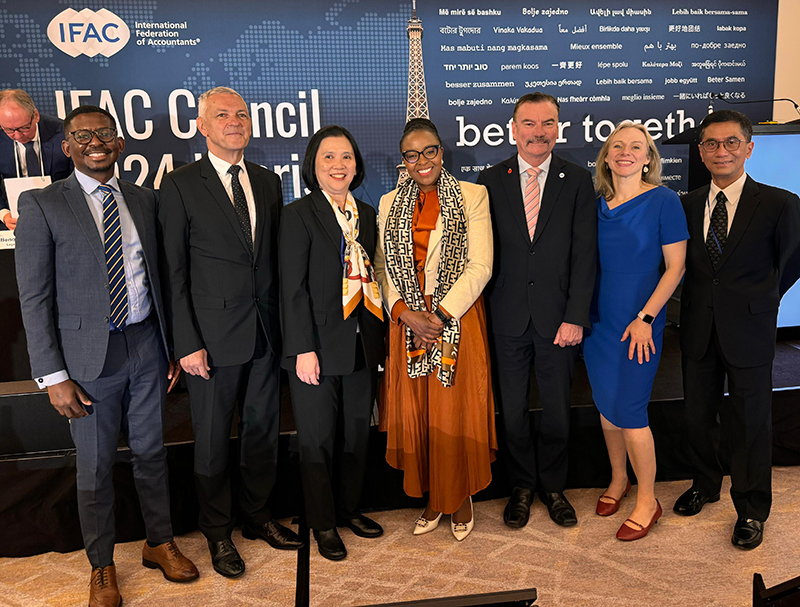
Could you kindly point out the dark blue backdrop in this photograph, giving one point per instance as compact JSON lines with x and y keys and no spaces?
{"x":346,"y":62}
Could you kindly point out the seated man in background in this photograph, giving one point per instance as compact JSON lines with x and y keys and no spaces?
{"x":32,"y":146}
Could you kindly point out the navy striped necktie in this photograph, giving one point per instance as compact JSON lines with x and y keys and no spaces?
{"x":118,"y":291}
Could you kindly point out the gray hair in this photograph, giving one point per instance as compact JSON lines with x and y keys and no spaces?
{"x":203,"y":100}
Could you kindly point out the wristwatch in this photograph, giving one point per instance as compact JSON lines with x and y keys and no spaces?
{"x":442,"y":316}
{"x":646,"y":317}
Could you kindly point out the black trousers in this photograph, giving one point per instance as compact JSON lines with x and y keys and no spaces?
{"x":255,"y":388}
{"x":746,"y":419}
{"x":332,"y":422}
{"x":128,"y":397}
{"x":534,"y":462}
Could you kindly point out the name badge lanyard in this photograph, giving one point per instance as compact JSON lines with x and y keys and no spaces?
{"x":18,"y":162}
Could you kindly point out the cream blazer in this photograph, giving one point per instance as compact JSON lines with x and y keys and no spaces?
{"x":480,"y":252}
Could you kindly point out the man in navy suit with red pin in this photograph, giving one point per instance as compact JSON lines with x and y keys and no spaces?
{"x":743,"y":255}
{"x":544,"y":220}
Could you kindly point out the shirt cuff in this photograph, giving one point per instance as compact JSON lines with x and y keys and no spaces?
{"x":398,"y":308}
{"x":52,"y":379}
{"x":3,"y":213}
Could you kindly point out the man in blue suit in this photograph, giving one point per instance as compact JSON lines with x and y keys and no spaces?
{"x":32,"y":146}
{"x":88,"y":280}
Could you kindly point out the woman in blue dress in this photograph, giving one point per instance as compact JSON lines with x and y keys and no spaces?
{"x":640,"y":224}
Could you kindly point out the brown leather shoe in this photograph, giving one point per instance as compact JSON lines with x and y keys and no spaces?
{"x":103,"y":590}
{"x":167,"y":557}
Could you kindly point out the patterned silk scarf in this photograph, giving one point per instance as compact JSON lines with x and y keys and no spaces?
{"x":358,"y":281}
{"x":399,"y":249}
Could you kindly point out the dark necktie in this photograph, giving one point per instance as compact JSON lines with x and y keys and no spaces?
{"x":717,"y":230}
{"x":240,"y":205}
{"x":118,"y":291}
{"x":32,"y":160}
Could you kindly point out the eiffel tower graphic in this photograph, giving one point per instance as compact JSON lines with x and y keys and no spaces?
{"x":417,"y":97}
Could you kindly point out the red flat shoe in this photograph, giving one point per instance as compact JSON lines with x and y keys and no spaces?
{"x":628,"y":534}
{"x":609,"y":508}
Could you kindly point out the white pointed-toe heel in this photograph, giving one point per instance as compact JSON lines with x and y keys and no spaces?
{"x":462,"y":530}
{"x":423,"y":525}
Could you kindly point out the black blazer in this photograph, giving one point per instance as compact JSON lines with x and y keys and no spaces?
{"x":760,"y":261}
{"x":311,"y":288}
{"x":56,"y":163}
{"x":216,"y":293}
{"x":549,"y":280}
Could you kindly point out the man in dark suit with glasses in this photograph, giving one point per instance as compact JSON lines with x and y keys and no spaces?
{"x":742,"y":257}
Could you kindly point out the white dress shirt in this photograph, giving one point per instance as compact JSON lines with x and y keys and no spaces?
{"x":733,"y":193}
{"x":22,"y":160}
{"x":22,"y":163}
{"x":221,"y":167}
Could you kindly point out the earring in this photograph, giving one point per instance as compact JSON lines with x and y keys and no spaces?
{"x":645,"y":169}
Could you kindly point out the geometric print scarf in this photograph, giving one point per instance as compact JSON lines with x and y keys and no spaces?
{"x":399,"y":252}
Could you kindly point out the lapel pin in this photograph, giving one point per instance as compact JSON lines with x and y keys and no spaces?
{"x":510,"y":171}
{"x":561,"y":175}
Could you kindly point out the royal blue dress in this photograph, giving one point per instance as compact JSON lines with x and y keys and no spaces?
{"x":629,"y":239}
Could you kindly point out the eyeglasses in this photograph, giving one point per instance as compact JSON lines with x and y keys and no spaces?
{"x":731,"y":144}
{"x":19,"y":129}
{"x":84,"y":136}
{"x":430,"y":152}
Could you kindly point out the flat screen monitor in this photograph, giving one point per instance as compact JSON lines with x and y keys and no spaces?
{"x":775,"y":161}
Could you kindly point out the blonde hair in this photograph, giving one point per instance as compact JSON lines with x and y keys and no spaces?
{"x":603,"y":182}
{"x":20,"y":97}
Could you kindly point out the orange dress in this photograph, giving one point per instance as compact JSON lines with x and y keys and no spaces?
{"x":442,"y":438}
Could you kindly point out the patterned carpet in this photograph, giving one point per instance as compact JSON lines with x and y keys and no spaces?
{"x":684,"y":561}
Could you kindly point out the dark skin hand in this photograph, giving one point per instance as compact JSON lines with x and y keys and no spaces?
{"x":67,"y":398}
{"x":430,"y":327}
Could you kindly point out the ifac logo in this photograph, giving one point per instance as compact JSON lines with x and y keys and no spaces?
{"x":88,"y":32}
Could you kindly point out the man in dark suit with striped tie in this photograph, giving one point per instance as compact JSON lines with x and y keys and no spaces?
{"x":88,"y":280}
{"x":544,"y":220}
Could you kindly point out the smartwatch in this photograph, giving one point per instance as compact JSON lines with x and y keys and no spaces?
{"x":645,"y":317}
{"x":442,"y":316}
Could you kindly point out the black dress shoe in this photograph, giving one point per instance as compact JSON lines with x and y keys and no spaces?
{"x":361,"y":526}
{"x":747,"y":533}
{"x":275,"y":534}
{"x":518,"y":508}
{"x":225,"y":558}
{"x":692,"y":502}
{"x":330,"y":544}
{"x":561,"y":511}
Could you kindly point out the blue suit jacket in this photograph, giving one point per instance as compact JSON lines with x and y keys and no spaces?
{"x":56,"y":164}
{"x":63,"y":278}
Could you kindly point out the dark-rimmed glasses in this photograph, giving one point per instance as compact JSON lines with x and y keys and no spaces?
{"x":430,"y":152}
{"x":84,"y":136}
{"x":20,"y":129}
{"x":731,"y":144}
